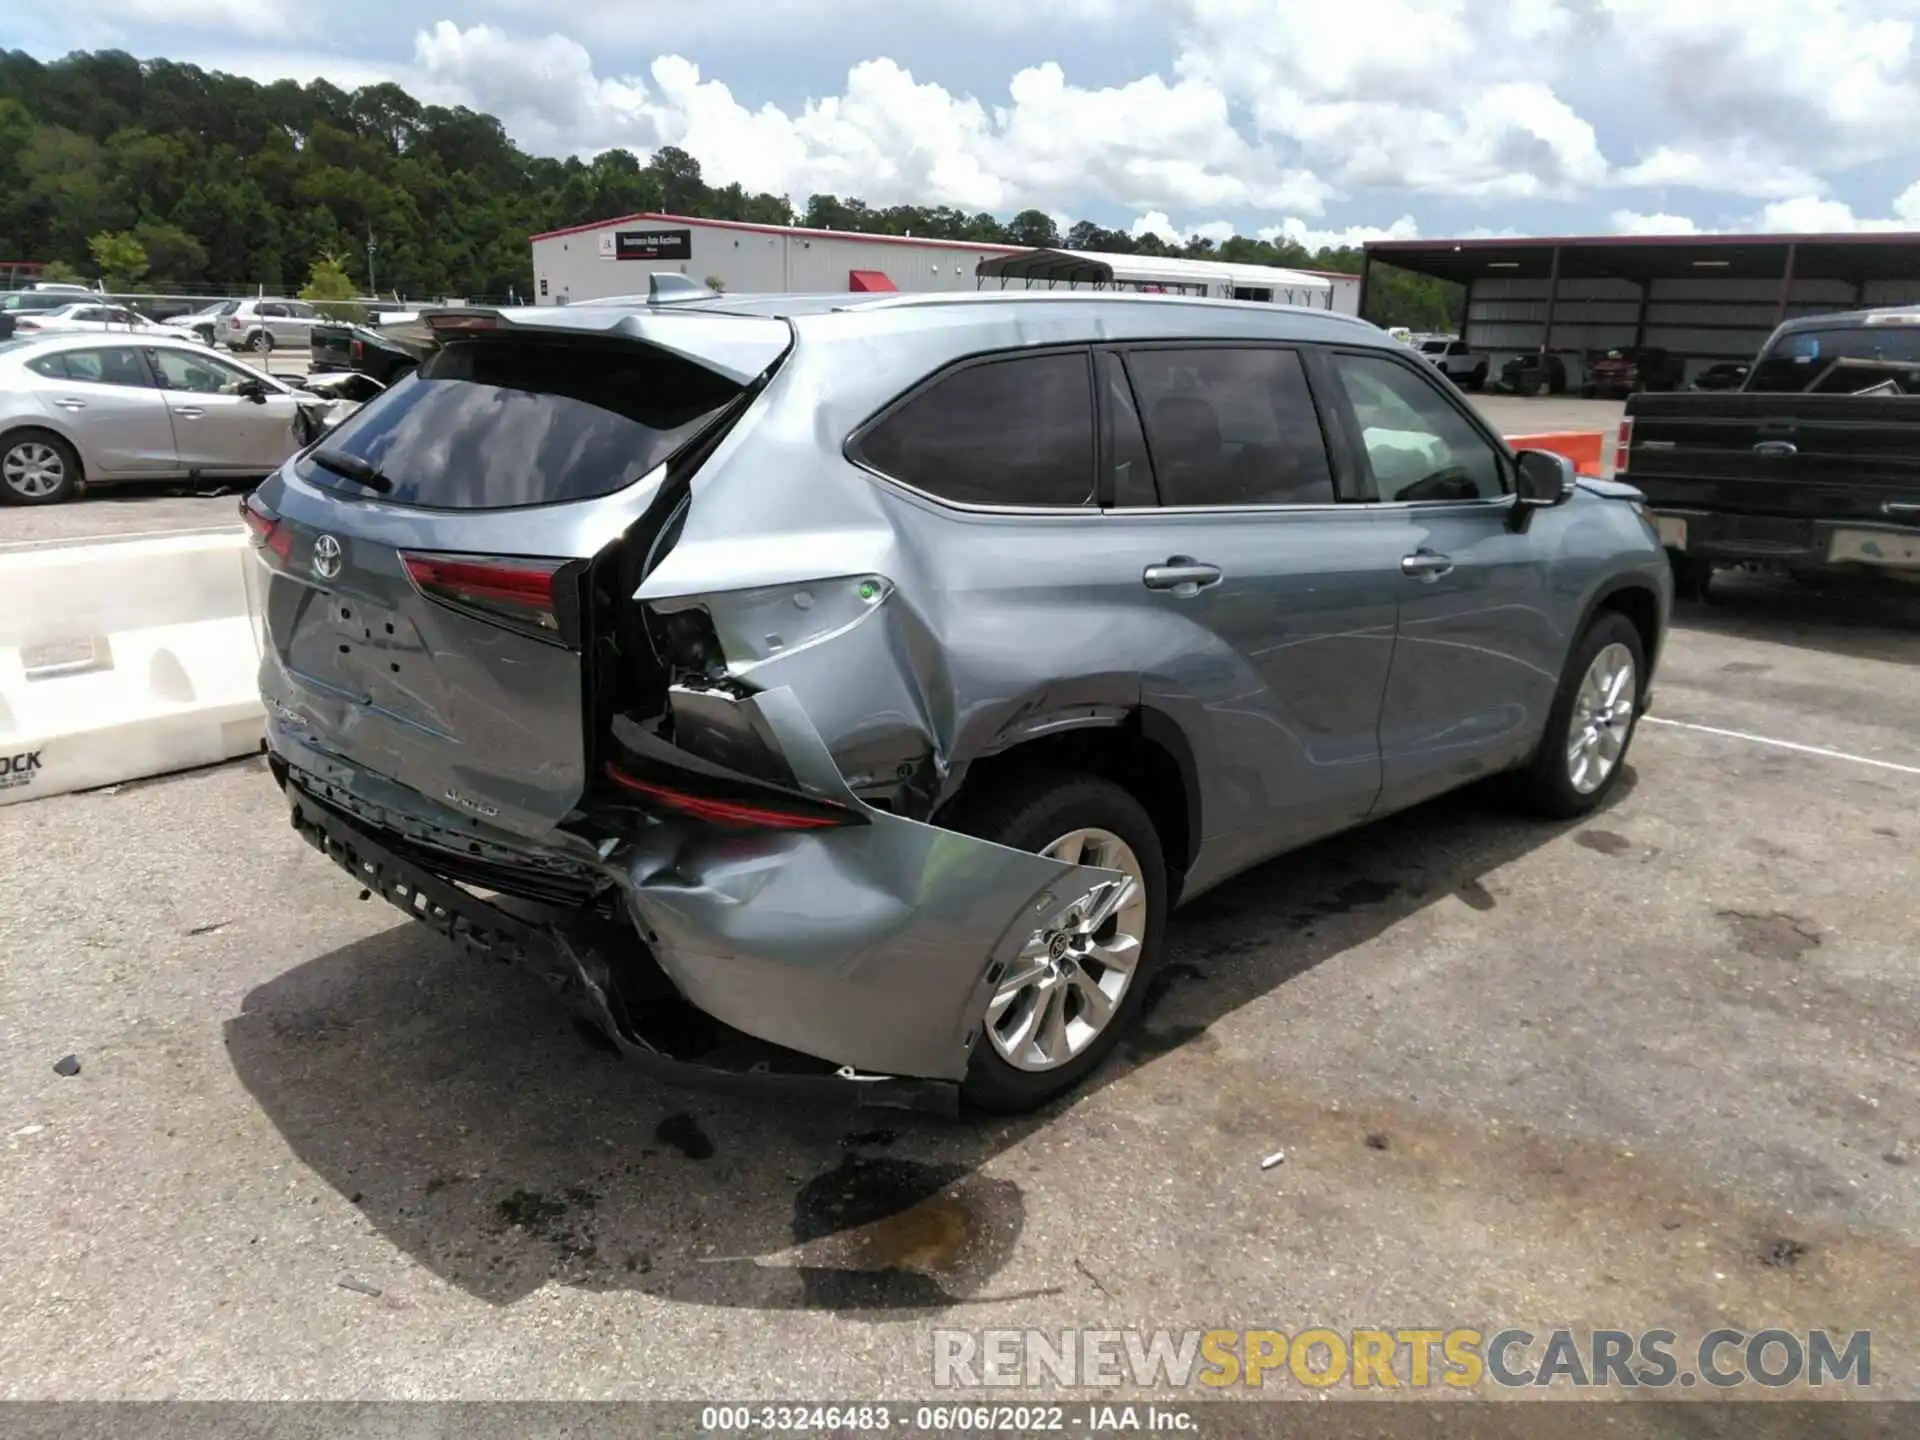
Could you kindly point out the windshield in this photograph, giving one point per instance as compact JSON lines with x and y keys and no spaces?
{"x":488,"y":425}
{"x":1796,"y":360}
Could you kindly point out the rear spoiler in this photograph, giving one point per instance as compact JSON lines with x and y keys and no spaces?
{"x":740,"y":348}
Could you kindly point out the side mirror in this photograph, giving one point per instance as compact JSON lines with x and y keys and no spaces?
{"x":1542,"y":480}
{"x":253,"y":390}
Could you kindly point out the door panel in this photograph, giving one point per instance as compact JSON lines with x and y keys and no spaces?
{"x":1476,"y":655}
{"x":216,"y":429}
{"x":110,"y":404}
{"x":1476,"y":659}
{"x":1298,"y":625}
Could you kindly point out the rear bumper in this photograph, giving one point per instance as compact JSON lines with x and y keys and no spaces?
{"x":568,"y":962}
{"x":1788,"y":542}
{"x":870,"y":948}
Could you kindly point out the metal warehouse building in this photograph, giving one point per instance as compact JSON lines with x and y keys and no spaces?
{"x":614,"y":257}
{"x":1708,"y":298}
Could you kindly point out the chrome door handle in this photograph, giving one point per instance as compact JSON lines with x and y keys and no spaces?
{"x":1776,"y":449}
{"x":1900,"y":507}
{"x":189,"y":412}
{"x":71,"y":404}
{"x":1182,"y":574}
{"x":1425,"y":565}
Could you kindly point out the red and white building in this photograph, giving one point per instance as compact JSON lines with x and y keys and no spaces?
{"x":614,"y":257}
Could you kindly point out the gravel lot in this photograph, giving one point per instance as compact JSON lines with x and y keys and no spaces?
{"x":1654,"y":1069}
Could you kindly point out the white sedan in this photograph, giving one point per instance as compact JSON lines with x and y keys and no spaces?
{"x":86,"y":316}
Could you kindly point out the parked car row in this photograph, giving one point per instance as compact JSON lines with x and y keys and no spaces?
{"x":81,"y":406}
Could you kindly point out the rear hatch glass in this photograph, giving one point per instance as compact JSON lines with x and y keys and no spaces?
{"x":500,"y":423}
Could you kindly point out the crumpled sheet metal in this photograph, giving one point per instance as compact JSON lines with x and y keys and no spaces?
{"x":866,"y":945}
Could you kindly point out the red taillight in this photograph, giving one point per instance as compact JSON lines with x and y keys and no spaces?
{"x":804,"y":815}
{"x":522,"y":594}
{"x":1623,"y":442}
{"x":26,"y":325}
{"x":266,"y":532}
{"x":357,"y":349}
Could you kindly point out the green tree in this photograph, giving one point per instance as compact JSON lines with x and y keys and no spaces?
{"x":173,"y":256}
{"x":332,"y":290}
{"x":121,"y":260}
{"x":59,"y":272}
{"x":1035,"y":228}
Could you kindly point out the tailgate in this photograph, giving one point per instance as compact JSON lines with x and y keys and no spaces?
{"x":1813,"y":456}
{"x":429,"y":623}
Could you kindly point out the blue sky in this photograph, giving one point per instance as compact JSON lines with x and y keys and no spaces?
{"x":1322,"y":119}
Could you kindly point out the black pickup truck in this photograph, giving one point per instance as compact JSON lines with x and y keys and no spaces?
{"x":1812,"y":465}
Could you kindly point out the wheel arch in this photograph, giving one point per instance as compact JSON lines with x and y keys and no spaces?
{"x":1142,"y":749}
{"x":1635,"y":597}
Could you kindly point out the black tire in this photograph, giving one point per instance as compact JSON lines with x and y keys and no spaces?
{"x":260,"y":343}
{"x":72,"y":477}
{"x":1692,"y":576}
{"x":1545,"y":786}
{"x":1030,"y":812}
{"x":1478,"y":380}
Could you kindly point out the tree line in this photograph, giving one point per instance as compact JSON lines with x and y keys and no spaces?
{"x":154,"y":174}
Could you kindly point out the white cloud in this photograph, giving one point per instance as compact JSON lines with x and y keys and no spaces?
{"x":1813,"y":84}
{"x":1351,"y":238}
{"x":1734,"y":168}
{"x":1402,"y":94}
{"x":1632,"y":222}
{"x":887,"y":137}
{"x":1157,"y":223}
{"x":1813,"y":214}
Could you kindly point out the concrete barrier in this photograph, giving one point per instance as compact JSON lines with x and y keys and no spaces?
{"x":1586,"y":448}
{"x":126,"y":659}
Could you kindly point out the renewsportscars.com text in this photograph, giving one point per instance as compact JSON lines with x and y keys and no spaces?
{"x":1413,"y":1359}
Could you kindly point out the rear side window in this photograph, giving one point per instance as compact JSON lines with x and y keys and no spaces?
{"x":1232,"y":427}
{"x":109,"y":365}
{"x":490,"y":425}
{"x":53,"y":366}
{"x":1017,"y":431}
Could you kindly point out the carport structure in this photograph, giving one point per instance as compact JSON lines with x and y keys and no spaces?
{"x":1705,"y":297}
{"x":1160,"y":274}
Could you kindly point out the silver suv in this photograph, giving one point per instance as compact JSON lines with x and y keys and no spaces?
{"x":849,"y":689}
{"x":263,"y":326}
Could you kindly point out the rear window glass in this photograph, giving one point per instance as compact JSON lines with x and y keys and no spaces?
{"x":490,"y":425}
{"x":1800,"y":358}
{"x":1017,"y":431}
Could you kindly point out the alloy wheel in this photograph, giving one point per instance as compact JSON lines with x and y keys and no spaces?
{"x":1602,"y":718}
{"x":33,"y":470}
{"x":1067,"y":984}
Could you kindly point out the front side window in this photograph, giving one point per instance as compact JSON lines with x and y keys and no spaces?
{"x":199,"y":374}
{"x":1418,"y":445}
{"x":1017,"y":431}
{"x":1808,"y":359}
{"x":1231,"y":426}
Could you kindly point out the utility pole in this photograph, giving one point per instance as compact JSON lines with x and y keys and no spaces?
{"x":372,"y":288}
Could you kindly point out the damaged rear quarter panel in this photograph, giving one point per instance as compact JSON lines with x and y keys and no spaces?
{"x":869,"y":945}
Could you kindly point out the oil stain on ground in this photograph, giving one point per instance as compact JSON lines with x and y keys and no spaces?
{"x":1603,"y":842}
{"x":684,"y":1134}
{"x":1772,"y":935}
{"x":878,"y":1233}
{"x":1477,"y":895}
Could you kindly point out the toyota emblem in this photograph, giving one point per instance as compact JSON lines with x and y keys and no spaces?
{"x":326,"y":557}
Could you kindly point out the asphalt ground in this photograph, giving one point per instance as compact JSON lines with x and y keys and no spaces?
{"x":1654,"y":1069}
